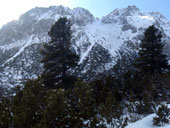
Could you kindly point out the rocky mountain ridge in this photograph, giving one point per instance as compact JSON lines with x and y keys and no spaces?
{"x":95,"y":40}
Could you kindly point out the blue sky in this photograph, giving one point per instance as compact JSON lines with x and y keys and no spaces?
{"x":100,"y":8}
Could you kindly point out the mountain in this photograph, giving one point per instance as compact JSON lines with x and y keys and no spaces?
{"x":95,"y":40}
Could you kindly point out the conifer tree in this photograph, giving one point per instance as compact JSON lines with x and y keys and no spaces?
{"x":86,"y":102}
{"x":112,"y":110}
{"x":162,"y":116}
{"x":151,"y":57}
{"x":56,"y":114}
{"x":59,"y":56}
{"x":28,"y":104}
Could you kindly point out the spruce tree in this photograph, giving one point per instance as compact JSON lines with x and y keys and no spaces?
{"x":151,"y":57}
{"x":59,"y":57}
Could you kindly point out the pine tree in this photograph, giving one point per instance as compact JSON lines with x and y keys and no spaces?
{"x":151,"y":57}
{"x":111,"y":110}
{"x":86,"y":103}
{"x":162,"y":116}
{"x":59,"y":57}
{"x":56,"y":113}
{"x":28,"y":104}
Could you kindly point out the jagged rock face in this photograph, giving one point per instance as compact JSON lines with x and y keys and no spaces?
{"x":120,"y":15}
{"x":81,"y":16}
{"x":95,"y":40}
{"x":98,"y":61}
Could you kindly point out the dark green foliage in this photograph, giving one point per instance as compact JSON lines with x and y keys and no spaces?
{"x":151,"y":57}
{"x":131,"y":108}
{"x":109,"y":98}
{"x":105,"y":85}
{"x":150,"y":65}
{"x":85,"y":100}
{"x":5,"y":113}
{"x":111,"y":109}
{"x":141,"y":91}
{"x":28,"y":104}
{"x":24,"y":108}
{"x":56,"y":113}
{"x":36,"y":107}
{"x":70,"y":108}
{"x":59,"y":56}
{"x":145,"y":107}
{"x":162,"y":116}
{"x":82,"y":100}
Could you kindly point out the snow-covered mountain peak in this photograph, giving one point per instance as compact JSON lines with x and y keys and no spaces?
{"x":129,"y":11}
{"x":132,"y":8}
{"x":95,"y":40}
{"x":117,"y":14}
{"x":82,"y":16}
{"x":55,"y":9}
{"x":52,"y":12}
{"x":80,"y":10}
{"x":78,"y":15}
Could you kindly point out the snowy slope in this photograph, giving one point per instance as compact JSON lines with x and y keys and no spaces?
{"x":146,"y":122}
{"x":95,"y":40}
{"x":143,"y":123}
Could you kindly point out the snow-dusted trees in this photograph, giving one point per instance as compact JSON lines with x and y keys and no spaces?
{"x":162,"y":116}
{"x":144,"y":73}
